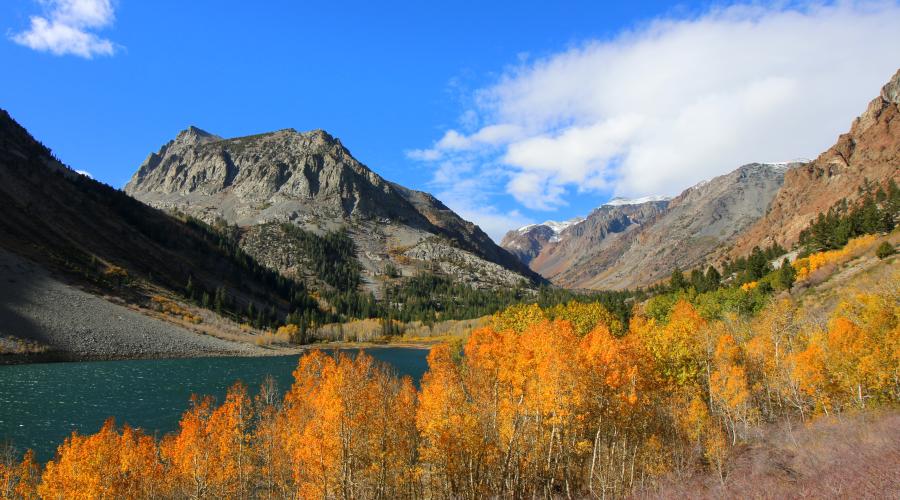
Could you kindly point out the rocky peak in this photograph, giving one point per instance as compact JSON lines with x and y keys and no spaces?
{"x":528,"y":241}
{"x":193,"y":136}
{"x":284,"y":167}
{"x":891,"y":90}
{"x":868,"y":153}
{"x":306,"y":178}
{"x":889,"y":98}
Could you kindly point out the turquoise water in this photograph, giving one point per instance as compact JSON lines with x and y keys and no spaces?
{"x":41,"y":404}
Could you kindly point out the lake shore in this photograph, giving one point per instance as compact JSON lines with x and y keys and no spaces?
{"x":51,"y":356}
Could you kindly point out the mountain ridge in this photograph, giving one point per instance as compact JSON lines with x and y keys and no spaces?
{"x":636,"y":243}
{"x":311,"y":180}
{"x":868,"y":153}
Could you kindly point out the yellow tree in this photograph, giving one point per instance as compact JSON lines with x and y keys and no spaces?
{"x":489,"y":381}
{"x":586,"y":316}
{"x":616,"y":374}
{"x":677,"y":346}
{"x":774,"y":336}
{"x":452,"y":444}
{"x":18,"y":479}
{"x":808,"y":390}
{"x":728,"y":386}
{"x":345,"y":437}
{"x":549,"y":385}
{"x":209,"y":457}
{"x":270,"y":440}
{"x":104,"y":465}
{"x":229,"y":434}
{"x":857,"y":365}
{"x":517,"y":317}
{"x":876,"y":316}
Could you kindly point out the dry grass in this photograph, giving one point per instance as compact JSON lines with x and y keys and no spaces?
{"x":855,"y":456}
{"x":16,"y":345}
{"x":372,"y":330}
{"x":444,"y":329}
{"x":362,"y":330}
{"x":864,"y":274}
{"x":199,"y":320}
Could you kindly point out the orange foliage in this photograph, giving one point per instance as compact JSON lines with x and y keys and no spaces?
{"x":539,"y":404}
{"x":18,"y":480}
{"x":677,"y":346}
{"x":108,"y":464}
{"x":343,"y":436}
{"x":818,"y":260}
{"x":210,"y":455}
{"x":172,"y":308}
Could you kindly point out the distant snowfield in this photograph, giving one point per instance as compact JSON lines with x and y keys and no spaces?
{"x":616,"y":202}
{"x":556,"y":227}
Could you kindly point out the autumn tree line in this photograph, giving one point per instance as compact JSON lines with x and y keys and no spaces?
{"x":564,"y":401}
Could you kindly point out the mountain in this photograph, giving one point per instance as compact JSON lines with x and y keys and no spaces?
{"x":311,"y":181}
{"x":79,"y":258}
{"x":528,"y":241}
{"x":602,"y":232}
{"x":756,"y":205}
{"x":868,"y":153}
{"x":631,"y":243}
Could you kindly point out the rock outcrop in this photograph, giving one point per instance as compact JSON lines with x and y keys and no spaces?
{"x":310,"y":179}
{"x":75,"y":252}
{"x":868,"y":153}
{"x":527,"y":242}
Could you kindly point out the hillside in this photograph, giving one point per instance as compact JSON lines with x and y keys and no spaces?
{"x":527,"y":242}
{"x":868,"y":153}
{"x":311,"y":181}
{"x":95,"y":239}
{"x":697,"y":396}
{"x":631,"y":244}
{"x":634,"y":244}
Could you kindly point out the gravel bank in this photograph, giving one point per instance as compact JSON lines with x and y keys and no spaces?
{"x":78,"y":325}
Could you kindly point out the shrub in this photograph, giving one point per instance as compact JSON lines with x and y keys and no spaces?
{"x":885,"y":250}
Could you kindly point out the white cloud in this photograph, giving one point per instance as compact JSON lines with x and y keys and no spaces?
{"x":66,"y":28}
{"x":662,"y":107}
{"x":489,"y":218}
{"x":85,"y":173}
{"x":486,"y":137}
{"x":465,"y":190}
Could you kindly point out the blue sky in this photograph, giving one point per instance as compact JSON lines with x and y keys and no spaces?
{"x":510,"y":112}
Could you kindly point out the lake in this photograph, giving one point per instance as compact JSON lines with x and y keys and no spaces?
{"x":41,"y":404}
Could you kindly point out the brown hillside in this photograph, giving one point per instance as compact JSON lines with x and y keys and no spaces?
{"x":870,"y":152}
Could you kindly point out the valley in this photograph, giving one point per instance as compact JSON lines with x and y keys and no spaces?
{"x":269,"y":316}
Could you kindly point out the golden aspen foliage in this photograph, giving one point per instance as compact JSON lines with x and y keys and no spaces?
{"x":343,"y":434}
{"x":190,"y":452}
{"x":676,"y":347}
{"x":517,"y":317}
{"x":542,"y":403}
{"x":859,"y":367}
{"x":270,"y":440}
{"x":810,"y":264}
{"x":451,"y":442}
{"x":728,"y":386}
{"x":586,"y":316}
{"x":811,"y":376}
{"x":18,"y":480}
{"x":104,"y":465}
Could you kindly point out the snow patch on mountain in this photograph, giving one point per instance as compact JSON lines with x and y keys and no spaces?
{"x":618,"y":201}
{"x":556,"y":227}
